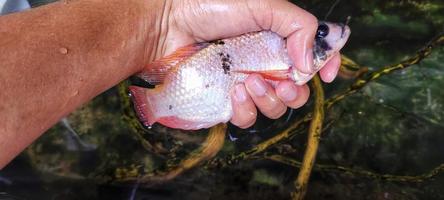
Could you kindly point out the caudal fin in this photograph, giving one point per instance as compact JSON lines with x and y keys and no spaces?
{"x":142,"y":107}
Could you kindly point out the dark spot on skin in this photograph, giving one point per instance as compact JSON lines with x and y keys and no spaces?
{"x":226,"y":62}
{"x":207,"y":86}
{"x":170,"y":107}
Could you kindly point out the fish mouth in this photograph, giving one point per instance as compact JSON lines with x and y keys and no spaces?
{"x":344,"y":26}
{"x":345,"y":31}
{"x":345,"y":34}
{"x":342,"y":29}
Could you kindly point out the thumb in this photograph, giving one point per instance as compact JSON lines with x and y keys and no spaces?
{"x":215,"y":19}
{"x":291,"y":22}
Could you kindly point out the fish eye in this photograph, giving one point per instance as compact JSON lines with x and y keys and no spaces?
{"x":322,"y":31}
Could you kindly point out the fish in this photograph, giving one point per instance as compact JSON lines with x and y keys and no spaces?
{"x":193,"y":84}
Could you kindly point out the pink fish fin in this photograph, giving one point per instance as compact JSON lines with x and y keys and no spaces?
{"x":277,"y":75}
{"x":175,"y":122}
{"x":141,"y":105}
{"x":155,"y":72}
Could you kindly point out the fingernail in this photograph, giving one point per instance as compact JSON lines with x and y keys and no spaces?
{"x":240,"y":93}
{"x":258,"y":86}
{"x":301,"y":78}
{"x":288,"y":94}
{"x":308,"y":64}
{"x":329,"y":77}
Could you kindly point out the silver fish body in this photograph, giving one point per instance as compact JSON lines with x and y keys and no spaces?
{"x":196,"y":91}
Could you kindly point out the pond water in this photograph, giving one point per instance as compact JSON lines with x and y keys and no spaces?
{"x":393,"y":125}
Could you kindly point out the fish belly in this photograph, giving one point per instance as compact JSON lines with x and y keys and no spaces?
{"x":194,"y":98}
{"x":196,"y":92}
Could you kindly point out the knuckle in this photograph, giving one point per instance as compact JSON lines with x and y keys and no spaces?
{"x":311,"y":19}
{"x":311,"y":22}
{"x":262,"y":12}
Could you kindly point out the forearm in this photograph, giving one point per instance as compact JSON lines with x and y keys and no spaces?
{"x":55,"y":58}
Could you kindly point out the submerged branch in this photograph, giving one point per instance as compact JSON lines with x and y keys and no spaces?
{"x":365,"y":173}
{"x":349,"y":69}
{"x":314,"y":134}
{"x":138,"y":130}
{"x":361,"y":82}
{"x":235,"y":158}
{"x":356,"y":86}
{"x":212,"y":145}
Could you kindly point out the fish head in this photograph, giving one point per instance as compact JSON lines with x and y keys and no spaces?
{"x":329,"y":40}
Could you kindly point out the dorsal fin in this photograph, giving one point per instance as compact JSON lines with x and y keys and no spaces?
{"x":155,"y":72}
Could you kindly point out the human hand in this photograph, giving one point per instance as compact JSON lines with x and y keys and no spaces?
{"x":190,"y":21}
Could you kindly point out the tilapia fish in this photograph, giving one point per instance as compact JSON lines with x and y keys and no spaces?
{"x":193,"y":85}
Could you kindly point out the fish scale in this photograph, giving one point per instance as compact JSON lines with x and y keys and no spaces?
{"x":207,"y":88}
{"x":197,"y":80}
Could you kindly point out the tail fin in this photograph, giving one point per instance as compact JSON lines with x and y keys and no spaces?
{"x":143,"y":108}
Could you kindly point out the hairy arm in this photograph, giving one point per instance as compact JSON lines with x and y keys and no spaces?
{"x":57,"y":57}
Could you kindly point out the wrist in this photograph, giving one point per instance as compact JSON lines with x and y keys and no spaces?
{"x":138,"y":24}
{"x":154,"y":28}
{"x":149,"y":23}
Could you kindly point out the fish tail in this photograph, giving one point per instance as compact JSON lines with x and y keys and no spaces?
{"x":142,"y":106}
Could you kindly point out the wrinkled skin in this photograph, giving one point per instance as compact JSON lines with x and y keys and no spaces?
{"x":189,"y":21}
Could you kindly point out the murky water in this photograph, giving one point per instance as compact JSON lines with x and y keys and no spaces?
{"x":394,"y":125}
